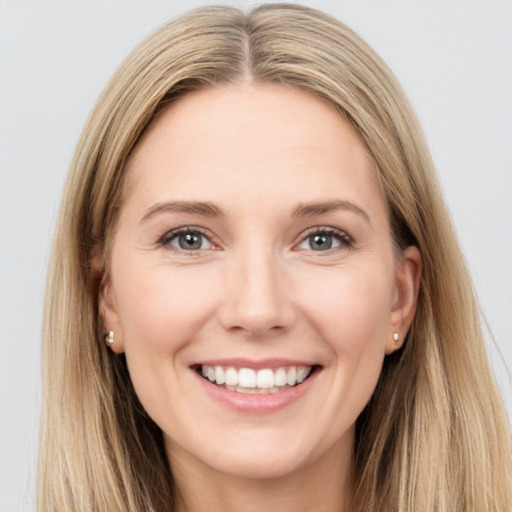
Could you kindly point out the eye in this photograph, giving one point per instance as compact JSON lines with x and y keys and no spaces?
{"x":325,"y":239}
{"x":187,"y":239}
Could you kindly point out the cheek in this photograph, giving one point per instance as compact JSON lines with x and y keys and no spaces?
{"x":161,"y":310}
{"x":350,"y":314}
{"x":350,"y":307}
{"x":162,"y":307}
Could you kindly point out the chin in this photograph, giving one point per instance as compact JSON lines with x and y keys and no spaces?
{"x":260,"y":466}
{"x":247,"y":451}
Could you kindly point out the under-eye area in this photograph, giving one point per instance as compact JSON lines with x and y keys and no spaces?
{"x":252,"y":381}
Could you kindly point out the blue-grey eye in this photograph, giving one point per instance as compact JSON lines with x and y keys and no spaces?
{"x":190,"y":241}
{"x":322,"y":242}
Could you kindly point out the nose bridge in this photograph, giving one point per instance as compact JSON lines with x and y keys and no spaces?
{"x":257,"y":301}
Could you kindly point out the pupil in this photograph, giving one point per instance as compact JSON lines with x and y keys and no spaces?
{"x":321,"y":242}
{"x":190,"y":241}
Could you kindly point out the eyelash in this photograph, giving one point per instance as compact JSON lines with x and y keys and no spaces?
{"x":345,"y":241}
{"x":166,"y":240}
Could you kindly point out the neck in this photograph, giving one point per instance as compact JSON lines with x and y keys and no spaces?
{"x":324,"y":485}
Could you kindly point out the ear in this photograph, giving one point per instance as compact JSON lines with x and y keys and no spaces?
{"x":107,"y":306}
{"x":407,"y":284}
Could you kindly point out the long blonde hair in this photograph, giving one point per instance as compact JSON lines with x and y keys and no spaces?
{"x":435,"y":435}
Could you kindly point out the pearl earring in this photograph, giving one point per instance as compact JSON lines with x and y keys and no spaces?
{"x":109,"y":338}
{"x":395,"y":336}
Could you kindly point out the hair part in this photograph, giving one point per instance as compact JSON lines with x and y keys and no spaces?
{"x":434,"y":436}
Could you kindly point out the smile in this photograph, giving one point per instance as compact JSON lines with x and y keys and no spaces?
{"x":255,"y":381}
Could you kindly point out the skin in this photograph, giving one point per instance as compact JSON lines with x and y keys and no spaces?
{"x":256,"y":289}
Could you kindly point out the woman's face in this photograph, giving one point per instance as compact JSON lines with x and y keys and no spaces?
{"x":253,"y":251}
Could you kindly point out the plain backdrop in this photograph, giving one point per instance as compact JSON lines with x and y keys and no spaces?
{"x":453,"y":57}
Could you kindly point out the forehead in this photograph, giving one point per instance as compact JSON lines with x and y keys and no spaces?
{"x":259,"y":142}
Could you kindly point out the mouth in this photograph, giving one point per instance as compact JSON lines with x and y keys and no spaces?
{"x":256,"y":381}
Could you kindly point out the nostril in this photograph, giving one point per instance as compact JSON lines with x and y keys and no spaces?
{"x":259,"y":305}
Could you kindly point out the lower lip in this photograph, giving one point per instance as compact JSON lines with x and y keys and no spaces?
{"x":254,"y":403}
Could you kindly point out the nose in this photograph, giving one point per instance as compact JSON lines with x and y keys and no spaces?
{"x":257,"y":297}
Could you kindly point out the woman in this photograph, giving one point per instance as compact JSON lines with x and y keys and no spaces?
{"x":253,"y":226}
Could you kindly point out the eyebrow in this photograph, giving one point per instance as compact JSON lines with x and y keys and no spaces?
{"x":208,"y":209}
{"x":199,"y":208}
{"x":312,"y":209}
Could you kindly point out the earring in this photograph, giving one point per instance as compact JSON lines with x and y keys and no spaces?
{"x":109,"y":338}
{"x":395,"y":336}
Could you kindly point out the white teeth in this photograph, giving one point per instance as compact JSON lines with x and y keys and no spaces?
{"x":247,"y":380}
{"x":245,"y":390}
{"x":291,"y":376}
{"x":231,"y":377}
{"x":280,"y":377}
{"x":219,"y":375}
{"x":265,"y":379}
{"x":301,"y":374}
{"x":252,"y":391}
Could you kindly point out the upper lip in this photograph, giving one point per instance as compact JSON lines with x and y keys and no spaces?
{"x":253,"y":363}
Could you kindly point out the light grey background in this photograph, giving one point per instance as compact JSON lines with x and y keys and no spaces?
{"x":453,"y":57}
